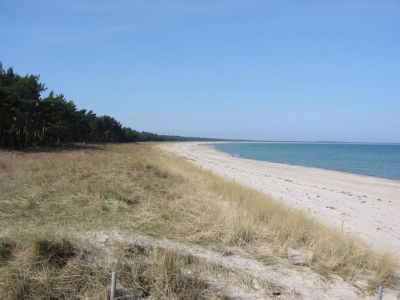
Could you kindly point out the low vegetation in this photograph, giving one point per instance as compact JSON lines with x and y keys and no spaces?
{"x":54,"y":206}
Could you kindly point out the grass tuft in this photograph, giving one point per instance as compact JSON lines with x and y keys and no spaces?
{"x":52,"y":269}
{"x":55,"y":253}
{"x":6,"y":250}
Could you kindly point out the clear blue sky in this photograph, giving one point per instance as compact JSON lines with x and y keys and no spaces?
{"x":276,"y":70}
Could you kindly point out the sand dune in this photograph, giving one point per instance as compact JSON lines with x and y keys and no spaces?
{"x":366,"y":206}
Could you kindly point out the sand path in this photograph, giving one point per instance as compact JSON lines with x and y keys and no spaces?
{"x":368,"y":207}
{"x":296,"y":283}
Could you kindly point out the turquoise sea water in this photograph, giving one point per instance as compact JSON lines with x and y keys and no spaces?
{"x":381,"y":160}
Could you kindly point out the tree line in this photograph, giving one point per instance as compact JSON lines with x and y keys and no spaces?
{"x":29,"y":120}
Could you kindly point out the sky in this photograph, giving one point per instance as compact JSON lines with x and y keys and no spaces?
{"x":249,"y":69}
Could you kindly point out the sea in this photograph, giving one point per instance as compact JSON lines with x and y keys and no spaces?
{"x":379,"y":160}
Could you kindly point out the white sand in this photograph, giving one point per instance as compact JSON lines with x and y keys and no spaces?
{"x":368,"y":206}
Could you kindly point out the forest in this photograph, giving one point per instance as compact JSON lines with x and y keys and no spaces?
{"x":29,"y":120}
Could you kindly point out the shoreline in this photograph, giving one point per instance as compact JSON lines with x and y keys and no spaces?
{"x":366,"y":206}
{"x":337,"y":172}
{"x":209,"y":144}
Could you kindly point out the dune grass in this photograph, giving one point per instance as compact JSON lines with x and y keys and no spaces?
{"x":47,"y":198}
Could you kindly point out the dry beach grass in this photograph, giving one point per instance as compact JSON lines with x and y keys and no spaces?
{"x":364,"y":206}
{"x":61,"y":213}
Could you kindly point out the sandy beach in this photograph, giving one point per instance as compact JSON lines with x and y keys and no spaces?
{"x":365,"y":206}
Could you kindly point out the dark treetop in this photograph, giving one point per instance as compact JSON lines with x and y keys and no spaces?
{"x":28,"y":120}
